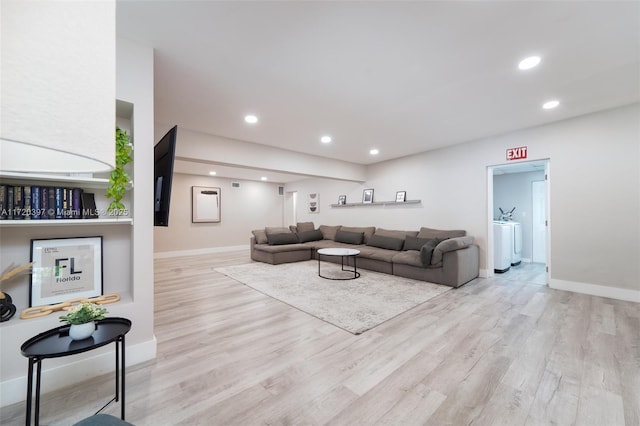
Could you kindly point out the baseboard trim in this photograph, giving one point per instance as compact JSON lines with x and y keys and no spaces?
{"x":14,"y":390}
{"x":194,"y":252}
{"x":596,"y":290}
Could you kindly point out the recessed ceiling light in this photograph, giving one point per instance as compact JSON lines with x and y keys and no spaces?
{"x":251,"y":119}
{"x":550,"y":104}
{"x":530,"y":62}
{"x":374,"y":152}
{"x":212,"y":173}
{"x":325,"y":139}
{"x":263,"y":178}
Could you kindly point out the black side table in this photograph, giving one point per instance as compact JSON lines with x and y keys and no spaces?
{"x":56,"y":343}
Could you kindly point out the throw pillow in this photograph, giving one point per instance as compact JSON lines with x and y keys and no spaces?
{"x":393,"y":233}
{"x":388,"y":243}
{"x":427,"y":251}
{"x":307,"y":236}
{"x":414,"y":243}
{"x":329,"y":232}
{"x":282,"y":238}
{"x":368,"y":231}
{"x":261,"y":236}
{"x":348,"y":237}
{"x":305,"y":226}
{"x":440,"y":233}
{"x":277,"y":230}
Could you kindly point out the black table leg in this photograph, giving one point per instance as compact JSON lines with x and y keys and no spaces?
{"x":36,"y":416}
{"x":123,"y":375}
{"x":29,"y":392}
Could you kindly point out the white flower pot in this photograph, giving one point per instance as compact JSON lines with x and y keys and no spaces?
{"x":81,"y":331}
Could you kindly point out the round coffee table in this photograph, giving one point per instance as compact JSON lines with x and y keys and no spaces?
{"x":342,"y":252}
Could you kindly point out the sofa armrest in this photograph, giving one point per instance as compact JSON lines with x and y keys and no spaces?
{"x":450,"y":244}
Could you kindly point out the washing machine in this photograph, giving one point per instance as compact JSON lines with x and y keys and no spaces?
{"x":502,"y":246}
{"x":516,"y":247}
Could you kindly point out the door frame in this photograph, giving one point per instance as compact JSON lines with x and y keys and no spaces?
{"x":490,"y":243}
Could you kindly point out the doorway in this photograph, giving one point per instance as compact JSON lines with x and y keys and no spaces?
{"x":290,"y":214}
{"x":518,"y":200}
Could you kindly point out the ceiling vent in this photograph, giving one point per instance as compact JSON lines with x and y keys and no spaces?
{"x":235,"y":184}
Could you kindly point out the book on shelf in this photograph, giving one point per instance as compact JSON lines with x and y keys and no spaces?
{"x":76,"y":203}
{"x":10,"y":199}
{"x":44,"y":202}
{"x":89,"y":210}
{"x":18,"y":202}
{"x":26,"y":202}
{"x":3,"y":202}
{"x":36,"y":202}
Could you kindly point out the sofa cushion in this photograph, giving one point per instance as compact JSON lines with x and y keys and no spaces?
{"x":329,"y":232}
{"x":261,"y":236}
{"x":349,"y":237}
{"x":366,"y":230}
{"x":426,"y":251}
{"x":306,"y":236}
{"x":440,"y":233}
{"x":305,"y":226}
{"x":449,"y":244}
{"x":277,"y":230}
{"x":389,"y":243}
{"x":408,"y":257}
{"x":414,"y":243}
{"x":395,"y":234}
{"x":282,"y":238}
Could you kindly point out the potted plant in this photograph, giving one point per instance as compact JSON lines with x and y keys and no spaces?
{"x":82,"y":319}
{"x":119,"y":178}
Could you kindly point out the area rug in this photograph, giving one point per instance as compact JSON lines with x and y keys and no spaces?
{"x":354,"y":305}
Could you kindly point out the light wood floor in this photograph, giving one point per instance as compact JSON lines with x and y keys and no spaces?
{"x":494,"y":352}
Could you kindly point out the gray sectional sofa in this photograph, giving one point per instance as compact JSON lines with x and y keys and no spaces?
{"x":446,"y":257}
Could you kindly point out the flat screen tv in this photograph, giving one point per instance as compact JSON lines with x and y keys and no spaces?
{"x":164,"y":155}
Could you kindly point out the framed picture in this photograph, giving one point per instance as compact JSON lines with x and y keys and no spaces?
{"x":205,"y":204}
{"x":342,"y":200}
{"x":65,"y":268}
{"x":367,"y":196}
{"x":401,"y":196}
{"x":314,"y":202}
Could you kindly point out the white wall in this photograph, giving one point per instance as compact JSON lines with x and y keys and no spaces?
{"x":515,"y":190}
{"x":253,"y":205}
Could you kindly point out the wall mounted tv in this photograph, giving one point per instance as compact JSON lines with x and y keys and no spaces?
{"x":164,"y":156}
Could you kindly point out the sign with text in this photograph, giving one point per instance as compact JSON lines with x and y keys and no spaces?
{"x":517,"y":153}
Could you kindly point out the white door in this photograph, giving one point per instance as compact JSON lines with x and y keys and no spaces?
{"x":539,"y":232}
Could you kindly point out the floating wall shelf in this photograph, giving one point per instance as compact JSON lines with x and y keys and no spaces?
{"x":378,"y":203}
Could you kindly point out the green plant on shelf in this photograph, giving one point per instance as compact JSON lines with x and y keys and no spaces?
{"x":119,"y":178}
{"x":83,"y":313}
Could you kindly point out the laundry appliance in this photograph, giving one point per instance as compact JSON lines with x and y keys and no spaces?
{"x":502,"y":246}
{"x":516,"y":246}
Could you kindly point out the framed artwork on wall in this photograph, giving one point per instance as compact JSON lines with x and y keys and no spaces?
{"x":205,"y":204}
{"x":65,"y":268}
{"x":401,"y":196}
{"x":314,"y":202}
{"x":342,"y":200}
{"x":367,"y":196}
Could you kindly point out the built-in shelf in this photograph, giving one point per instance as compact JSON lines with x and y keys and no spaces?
{"x":378,"y":203}
{"x":91,"y":182}
{"x":66,"y":222}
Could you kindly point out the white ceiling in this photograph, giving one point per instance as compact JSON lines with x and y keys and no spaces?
{"x":403,"y":77}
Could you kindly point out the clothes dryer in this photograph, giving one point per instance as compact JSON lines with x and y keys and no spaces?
{"x":502,"y":246}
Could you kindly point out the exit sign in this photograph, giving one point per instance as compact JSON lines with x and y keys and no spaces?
{"x":517,"y":153}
